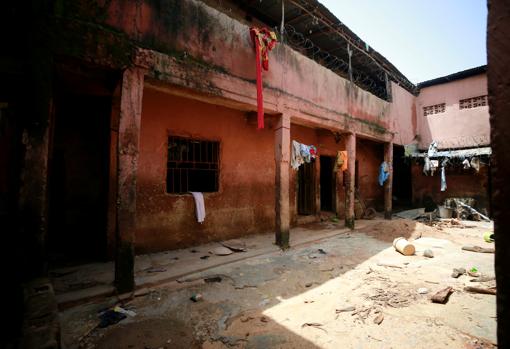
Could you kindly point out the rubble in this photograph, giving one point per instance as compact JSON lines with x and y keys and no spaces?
{"x":221,"y":251}
{"x":442,"y":296}
{"x":458,"y":272}
{"x":478,"y":249}
{"x":481,"y":290}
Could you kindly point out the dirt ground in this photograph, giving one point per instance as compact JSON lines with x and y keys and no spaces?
{"x":327,"y":294}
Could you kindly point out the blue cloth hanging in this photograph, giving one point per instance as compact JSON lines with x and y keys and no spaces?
{"x":384,"y":173}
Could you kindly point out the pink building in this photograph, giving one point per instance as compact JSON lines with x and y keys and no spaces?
{"x":453,"y":112}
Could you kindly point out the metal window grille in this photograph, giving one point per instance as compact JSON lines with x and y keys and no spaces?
{"x":434,"y":109}
{"x":473,"y":102}
{"x":193,"y":165}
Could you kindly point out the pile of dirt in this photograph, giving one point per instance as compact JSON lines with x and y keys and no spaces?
{"x":389,"y":230}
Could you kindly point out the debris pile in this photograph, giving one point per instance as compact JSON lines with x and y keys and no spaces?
{"x":392,"y":297}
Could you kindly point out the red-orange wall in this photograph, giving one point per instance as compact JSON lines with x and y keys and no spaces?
{"x":245,"y":201}
{"x":460,"y":183}
{"x":369,"y":154}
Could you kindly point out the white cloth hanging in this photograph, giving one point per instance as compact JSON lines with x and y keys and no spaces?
{"x":199,"y":206}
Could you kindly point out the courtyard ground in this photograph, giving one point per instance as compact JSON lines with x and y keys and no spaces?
{"x":335,"y":288}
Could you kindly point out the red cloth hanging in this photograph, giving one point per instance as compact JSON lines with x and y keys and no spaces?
{"x":264,"y":41}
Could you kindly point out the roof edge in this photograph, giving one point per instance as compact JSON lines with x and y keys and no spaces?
{"x":453,"y":77}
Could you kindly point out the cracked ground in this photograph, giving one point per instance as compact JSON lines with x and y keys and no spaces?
{"x":351,"y":290}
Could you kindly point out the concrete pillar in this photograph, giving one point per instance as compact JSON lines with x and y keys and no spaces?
{"x":33,"y":200}
{"x":127,"y":149}
{"x":388,"y":185}
{"x":36,"y":115}
{"x":498,"y":32}
{"x":282,"y":159}
{"x":350,"y":144}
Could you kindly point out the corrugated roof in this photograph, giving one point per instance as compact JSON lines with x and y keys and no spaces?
{"x":455,"y":76}
{"x":460,"y":153}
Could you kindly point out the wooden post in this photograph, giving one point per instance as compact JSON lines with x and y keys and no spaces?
{"x":350,"y":144}
{"x":388,"y":185}
{"x":127,"y":149}
{"x":282,"y":159}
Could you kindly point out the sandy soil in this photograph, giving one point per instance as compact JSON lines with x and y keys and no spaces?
{"x":321,"y":295}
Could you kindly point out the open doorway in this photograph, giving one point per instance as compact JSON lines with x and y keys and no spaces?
{"x":402,"y":185}
{"x":79,"y":179}
{"x":327,"y":183}
{"x":306,"y":188}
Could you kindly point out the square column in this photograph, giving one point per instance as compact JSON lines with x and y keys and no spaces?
{"x":350,"y":189}
{"x":388,"y":185}
{"x":282,"y":162}
{"x":127,"y":165}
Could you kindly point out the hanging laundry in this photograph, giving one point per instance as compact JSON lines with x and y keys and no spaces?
{"x":443,"y":174}
{"x":305,"y":152}
{"x":432,"y":149}
{"x":344,"y":157}
{"x":302,"y":153}
{"x":384,"y":173}
{"x":313,"y":151}
{"x":410,"y":149}
{"x":475,"y":163}
{"x":264,"y":41}
{"x":426,"y":166}
{"x":466,"y":164}
{"x":296,"y":159}
{"x":199,"y":206}
{"x":443,"y":179}
{"x":434,"y":165}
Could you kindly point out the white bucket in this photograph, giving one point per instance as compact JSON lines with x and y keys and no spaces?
{"x":445,"y":212}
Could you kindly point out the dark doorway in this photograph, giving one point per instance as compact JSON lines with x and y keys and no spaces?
{"x":79,"y":179}
{"x":306,"y":188}
{"x":327,"y":183}
{"x":402,"y":185}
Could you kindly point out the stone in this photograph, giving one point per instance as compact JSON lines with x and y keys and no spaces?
{"x":221,"y":251}
{"x":428,"y":253}
{"x":235,"y":245}
{"x":458,"y":272}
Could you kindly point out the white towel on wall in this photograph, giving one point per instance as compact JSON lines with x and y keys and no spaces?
{"x":199,"y":205}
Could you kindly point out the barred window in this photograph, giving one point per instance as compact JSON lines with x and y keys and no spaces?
{"x":473,"y":102}
{"x":434,"y":109}
{"x":193,"y":165}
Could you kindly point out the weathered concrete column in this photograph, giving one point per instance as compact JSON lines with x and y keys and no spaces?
{"x":388,"y":185}
{"x":282,"y":159}
{"x":498,"y":75}
{"x":350,"y":144}
{"x":33,"y":200}
{"x":127,"y":149}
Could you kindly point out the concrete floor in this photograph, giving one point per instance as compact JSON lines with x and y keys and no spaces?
{"x":289,"y":299}
{"x":74,"y":285}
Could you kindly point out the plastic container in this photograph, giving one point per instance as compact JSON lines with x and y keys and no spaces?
{"x":445,"y":212}
{"x":403,"y":246}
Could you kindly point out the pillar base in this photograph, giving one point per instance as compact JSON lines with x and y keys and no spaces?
{"x":349,"y":223}
{"x":282,"y":240}
{"x":387,"y":215}
{"x":124,"y":268}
